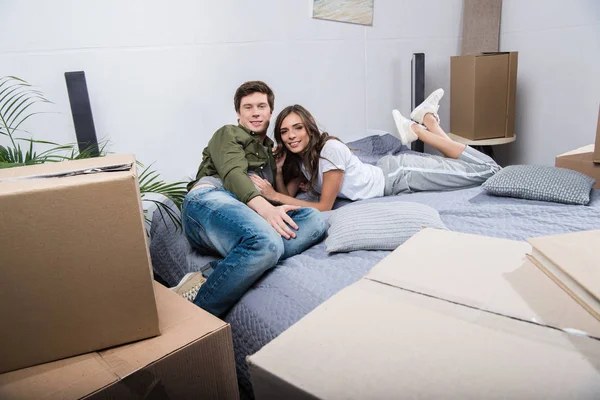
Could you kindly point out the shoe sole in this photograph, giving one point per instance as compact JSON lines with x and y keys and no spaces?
{"x":187,"y":279}
{"x":417,"y":110}
{"x":398,"y":121}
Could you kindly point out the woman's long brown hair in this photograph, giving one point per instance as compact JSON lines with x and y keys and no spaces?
{"x":311,"y":155}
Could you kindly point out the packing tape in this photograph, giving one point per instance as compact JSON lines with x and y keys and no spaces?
{"x":65,"y":174}
{"x":484,"y":309}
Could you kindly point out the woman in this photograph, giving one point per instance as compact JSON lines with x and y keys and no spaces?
{"x":304,"y":153}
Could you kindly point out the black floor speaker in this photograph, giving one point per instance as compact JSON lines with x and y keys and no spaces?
{"x":82,"y":113}
{"x":417,"y":90}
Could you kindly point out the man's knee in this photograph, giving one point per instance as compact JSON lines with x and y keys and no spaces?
{"x":270,"y":244}
{"x":312,"y":228}
{"x":315,"y":223}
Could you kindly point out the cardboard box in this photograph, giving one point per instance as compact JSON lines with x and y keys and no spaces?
{"x":581,"y":160}
{"x":597,"y":143}
{"x":76,"y":273}
{"x":482,"y":95}
{"x":472,"y":319}
{"x":571,"y":261}
{"x":191,"y":359}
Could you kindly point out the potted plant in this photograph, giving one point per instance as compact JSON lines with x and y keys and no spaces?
{"x":17,"y":99}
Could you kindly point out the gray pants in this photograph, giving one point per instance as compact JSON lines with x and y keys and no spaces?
{"x":409,"y":172}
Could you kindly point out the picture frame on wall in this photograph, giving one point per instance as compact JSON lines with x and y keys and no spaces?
{"x":351,"y":11}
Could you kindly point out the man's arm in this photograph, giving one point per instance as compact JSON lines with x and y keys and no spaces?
{"x":229,"y":159}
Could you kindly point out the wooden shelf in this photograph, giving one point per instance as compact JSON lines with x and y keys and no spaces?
{"x":482,"y":142}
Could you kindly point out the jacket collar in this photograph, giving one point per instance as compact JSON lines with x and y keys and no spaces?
{"x":268,"y":142}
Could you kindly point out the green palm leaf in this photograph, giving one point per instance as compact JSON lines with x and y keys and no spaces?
{"x":151,"y":183}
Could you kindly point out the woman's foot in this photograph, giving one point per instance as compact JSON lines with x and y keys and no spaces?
{"x":430,"y":105}
{"x":404,"y":126}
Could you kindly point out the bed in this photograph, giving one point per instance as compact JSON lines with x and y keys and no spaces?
{"x":299,"y":284}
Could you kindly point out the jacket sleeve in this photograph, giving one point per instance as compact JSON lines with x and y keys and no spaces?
{"x":229,"y":158}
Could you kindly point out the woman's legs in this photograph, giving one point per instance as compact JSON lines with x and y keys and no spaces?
{"x":432,"y":125}
{"x":461,"y":167}
{"x":434,"y":135}
{"x":409,"y":172}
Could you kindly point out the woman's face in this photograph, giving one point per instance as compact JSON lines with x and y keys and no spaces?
{"x":294,"y":135}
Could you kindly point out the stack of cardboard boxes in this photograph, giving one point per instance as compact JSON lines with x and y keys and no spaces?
{"x":77,"y":281}
{"x":446,"y":315}
{"x":483,"y":80}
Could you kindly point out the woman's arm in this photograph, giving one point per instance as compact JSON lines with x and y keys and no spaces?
{"x":279,"y":183}
{"x":332,"y":183}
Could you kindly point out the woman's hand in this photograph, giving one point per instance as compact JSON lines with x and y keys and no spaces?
{"x":264,"y":187}
{"x":279,"y":158}
{"x":304,"y":186}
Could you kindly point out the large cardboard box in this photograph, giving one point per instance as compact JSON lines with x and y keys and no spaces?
{"x":446,"y":315}
{"x":580,"y":160}
{"x":76,"y":273}
{"x":191,"y":359}
{"x":482,"y":95}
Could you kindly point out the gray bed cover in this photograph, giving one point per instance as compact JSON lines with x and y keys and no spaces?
{"x":301,"y":283}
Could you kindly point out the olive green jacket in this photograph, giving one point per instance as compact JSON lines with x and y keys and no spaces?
{"x":231,"y":153}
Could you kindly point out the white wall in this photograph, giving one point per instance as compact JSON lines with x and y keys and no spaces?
{"x":558,"y":84}
{"x":161,"y":75}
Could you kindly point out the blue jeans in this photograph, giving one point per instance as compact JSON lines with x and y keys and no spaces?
{"x":215,"y":221}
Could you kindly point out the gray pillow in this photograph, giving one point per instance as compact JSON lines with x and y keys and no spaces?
{"x":378,"y":226}
{"x":541,"y":182}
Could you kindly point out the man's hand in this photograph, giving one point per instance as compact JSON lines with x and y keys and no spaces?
{"x":276,"y":216}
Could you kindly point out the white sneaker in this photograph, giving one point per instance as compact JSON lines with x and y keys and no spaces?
{"x":403,"y":125}
{"x":429,"y":105}
{"x":189,"y":285}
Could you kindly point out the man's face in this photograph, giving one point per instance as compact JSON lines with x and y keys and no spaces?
{"x":255,"y":112}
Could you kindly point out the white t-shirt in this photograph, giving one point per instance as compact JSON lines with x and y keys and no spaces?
{"x":361,"y":181}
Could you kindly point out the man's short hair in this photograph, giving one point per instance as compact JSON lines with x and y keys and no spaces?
{"x":250,"y":87}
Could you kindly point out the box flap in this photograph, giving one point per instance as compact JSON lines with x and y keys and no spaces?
{"x":572,"y":260}
{"x":579,"y":152}
{"x":56,"y":168}
{"x":180,"y":324}
{"x":54,"y":176}
{"x":484,"y":273}
{"x":374,"y":341}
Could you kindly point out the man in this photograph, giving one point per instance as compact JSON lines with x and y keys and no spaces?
{"x":224,"y":212}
